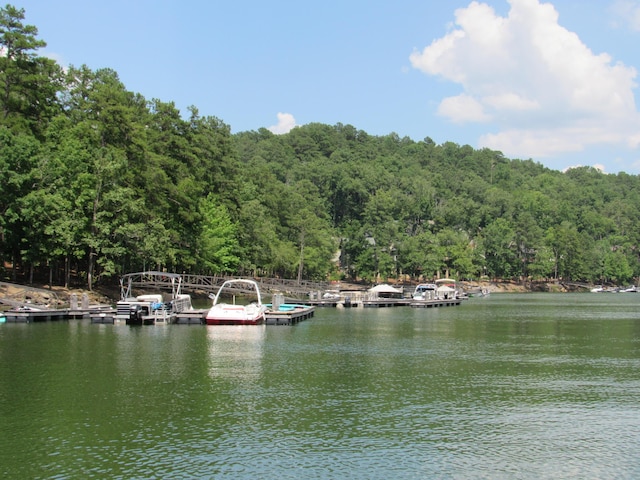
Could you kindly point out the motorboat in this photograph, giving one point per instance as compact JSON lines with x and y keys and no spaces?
{"x":424,"y":291}
{"x":222,"y":313}
{"x":446,"y":289}
{"x":151,"y":308}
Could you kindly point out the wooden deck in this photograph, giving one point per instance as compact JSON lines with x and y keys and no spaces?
{"x":197,"y":316}
{"x":28,"y":316}
{"x":436,"y":303}
{"x":384,"y":302}
{"x":289,"y":317}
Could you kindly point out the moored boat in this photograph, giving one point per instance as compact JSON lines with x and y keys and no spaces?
{"x":446,"y":289}
{"x":151,"y":309}
{"x":222,"y":313}
{"x":424,"y":291}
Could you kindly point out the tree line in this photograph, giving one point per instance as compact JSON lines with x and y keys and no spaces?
{"x":98,"y":181}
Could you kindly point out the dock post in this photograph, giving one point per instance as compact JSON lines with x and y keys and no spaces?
{"x":85,"y":301}
{"x":73,"y":301}
{"x":278,"y":299}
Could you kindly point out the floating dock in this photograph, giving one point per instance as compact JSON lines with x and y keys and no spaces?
{"x":385,"y":302}
{"x":289,"y":314}
{"x":33,"y":315}
{"x":191,"y":317}
{"x":286,"y":315}
{"x":436,"y":303}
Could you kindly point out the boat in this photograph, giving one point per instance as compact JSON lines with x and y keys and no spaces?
{"x":478,"y":292}
{"x":446,"y":289}
{"x":629,"y":289}
{"x":424,"y":291}
{"x":385,"y":291}
{"x":155,"y":308}
{"x":235,"y":314}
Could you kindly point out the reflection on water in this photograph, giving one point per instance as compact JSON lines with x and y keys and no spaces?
{"x":511,"y":386}
{"x":235,"y":351}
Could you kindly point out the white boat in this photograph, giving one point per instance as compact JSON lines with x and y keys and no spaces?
{"x":425,"y":291}
{"x":234,"y":314}
{"x":384,"y":291}
{"x":446,"y":289}
{"x":479,"y":292}
{"x":629,"y":289}
{"x":154,"y":308}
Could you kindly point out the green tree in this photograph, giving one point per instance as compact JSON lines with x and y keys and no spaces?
{"x":29,"y":84}
{"x":499,"y":246}
{"x":218,"y":246}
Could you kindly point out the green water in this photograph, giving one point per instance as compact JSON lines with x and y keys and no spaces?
{"x":510,"y":386}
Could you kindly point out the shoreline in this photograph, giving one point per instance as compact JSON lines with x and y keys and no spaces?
{"x":59,"y":296}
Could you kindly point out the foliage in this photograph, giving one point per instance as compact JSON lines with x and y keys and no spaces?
{"x":98,"y":181}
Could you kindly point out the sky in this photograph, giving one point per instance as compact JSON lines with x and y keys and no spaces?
{"x":552,"y":81}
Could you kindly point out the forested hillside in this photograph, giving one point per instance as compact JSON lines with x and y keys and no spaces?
{"x":99,"y":181}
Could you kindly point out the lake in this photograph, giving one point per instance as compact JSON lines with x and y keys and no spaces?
{"x":514,"y":386}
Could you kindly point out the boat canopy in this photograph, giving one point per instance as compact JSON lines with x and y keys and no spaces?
{"x":158,"y":280}
{"x":384,"y":288}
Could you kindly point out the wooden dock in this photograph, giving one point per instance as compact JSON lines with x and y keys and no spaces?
{"x":197,"y":316}
{"x":368,"y":302}
{"x":386,"y":302}
{"x":436,"y":303}
{"x":289,"y":317}
{"x":27,"y":316}
{"x":191,"y":317}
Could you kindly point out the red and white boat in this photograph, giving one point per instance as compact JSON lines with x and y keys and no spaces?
{"x":234,"y":314}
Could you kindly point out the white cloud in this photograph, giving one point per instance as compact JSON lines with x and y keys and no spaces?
{"x":285,"y":123}
{"x":627,"y":12}
{"x":541,"y":87}
{"x":463,"y":109}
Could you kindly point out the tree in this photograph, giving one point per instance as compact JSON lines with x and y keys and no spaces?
{"x":499,"y":245}
{"x":28,"y":84}
{"x":218,"y":245}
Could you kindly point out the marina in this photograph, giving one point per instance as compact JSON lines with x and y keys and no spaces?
{"x":283,"y":316}
{"x":168,"y":305}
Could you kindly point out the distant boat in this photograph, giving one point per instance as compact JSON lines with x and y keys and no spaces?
{"x":446,"y":289}
{"x":385,"y":291}
{"x":480,"y":292}
{"x":233,"y":314}
{"x":629,"y":289}
{"x":598,"y":289}
{"x":425,"y":291}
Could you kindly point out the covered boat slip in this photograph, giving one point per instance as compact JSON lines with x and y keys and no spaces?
{"x":442,"y":293}
{"x":150,"y":309}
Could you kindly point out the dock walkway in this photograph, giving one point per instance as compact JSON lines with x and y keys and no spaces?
{"x":369,"y":301}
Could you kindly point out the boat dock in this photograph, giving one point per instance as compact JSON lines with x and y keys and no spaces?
{"x":289,"y":316}
{"x":370,"y":302}
{"x":32,"y":315}
{"x":436,"y":303}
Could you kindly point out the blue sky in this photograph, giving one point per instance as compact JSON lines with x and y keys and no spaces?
{"x":551,"y":81}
